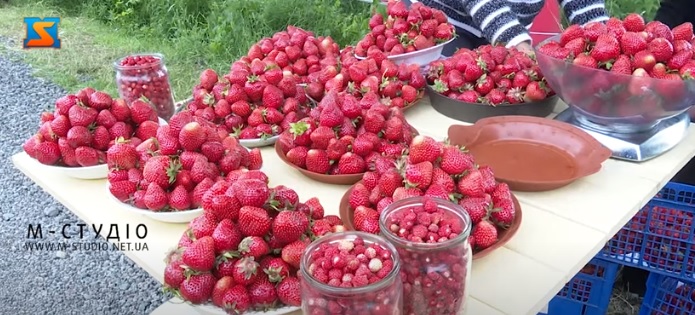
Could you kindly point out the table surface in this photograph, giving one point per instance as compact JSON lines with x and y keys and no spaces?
{"x":561,"y":230}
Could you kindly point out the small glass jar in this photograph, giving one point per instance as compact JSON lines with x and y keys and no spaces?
{"x":435,"y":271}
{"x":378,"y":297}
{"x":145,"y":79}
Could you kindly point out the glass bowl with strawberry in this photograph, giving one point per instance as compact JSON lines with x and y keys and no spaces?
{"x":625,"y":74}
{"x":488,"y":81}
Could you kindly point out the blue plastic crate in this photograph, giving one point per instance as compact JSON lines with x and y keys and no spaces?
{"x":588,"y":293}
{"x":668,"y":296}
{"x":660,"y":238}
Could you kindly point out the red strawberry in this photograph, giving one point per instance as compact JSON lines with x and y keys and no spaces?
{"x":122,"y":155}
{"x":100,"y":100}
{"x":203,"y":225}
{"x":292,"y":253}
{"x":276,"y":268}
{"x":236,"y":300}
{"x":208,"y":78}
{"x":422,"y":149}
{"x":632,"y":42}
{"x":455,"y":160}
{"x":351,"y":163}
{"x":634,"y":22}
{"x":200,"y":255}
{"x":418,"y":175}
{"x":251,"y":192}
{"x":246,"y":271}
{"x":316,"y":210}
{"x":485,"y":234}
{"x":273,"y":97}
{"x":222,"y":285}
{"x":606,"y":48}
{"x":476,"y":207}
{"x":645,"y":60}
{"x":192,"y":136}
{"x":661,"y":48}
{"x":679,"y":59}
{"x":123,"y":190}
{"x":173,"y":274}
{"x":254,"y":221}
{"x":87,"y":156}
{"x":253,"y":246}
{"x":60,"y":125}
{"x":198,"y":288}
{"x":155,"y":197}
{"x":64,"y":103}
{"x":622,"y":65}
{"x":141,"y":111}
{"x":317,"y":161}
{"x":262,"y":293}
{"x":366,"y":220}
{"x":683,"y":32}
{"x":473,"y":184}
{"x":572,"y":32}
{"x":160,"y":170}
{"x":289,"y":226}
{"x":289,"y":291}
{"x":504,"y":211}
{"x":179,"y":198}
{"x":535,"y":92}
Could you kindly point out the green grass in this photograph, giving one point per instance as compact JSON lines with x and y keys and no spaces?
{"x":192,"y":34}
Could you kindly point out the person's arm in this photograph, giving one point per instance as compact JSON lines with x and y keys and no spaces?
{"x":584,"y":11}
{"x":497,"y":23}
{"x":674,"y":12}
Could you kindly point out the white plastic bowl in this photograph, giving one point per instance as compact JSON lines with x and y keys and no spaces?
{"x":257,"y":143}
{"x":168,"y":217}
{"x":90,"y":172}
{"x":420,"y":57}
{"x":209,"y":309}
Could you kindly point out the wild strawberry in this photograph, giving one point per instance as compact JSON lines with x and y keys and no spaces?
{"x":197,"y":289}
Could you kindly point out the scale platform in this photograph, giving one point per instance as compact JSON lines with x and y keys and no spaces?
{"x":635,"y":146}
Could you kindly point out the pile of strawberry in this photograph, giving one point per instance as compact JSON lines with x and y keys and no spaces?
{"x":253,"y":101}
{"x":397,"y":85}
{"x":84,"y":125}
{"x":243,"y":253}
{"x":636,"y":50}
{"x":491,"y":75}
{"x":344,"y":135}
{"x":401,"y":30}
{"x":172,"y":168}
{"x":436,"y":170}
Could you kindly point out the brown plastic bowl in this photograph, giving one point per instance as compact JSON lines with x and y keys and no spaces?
{"x":472,"y":112}
{"x":531,"y":153}
{"x":503,"y":237}
{"x":348,"y":179}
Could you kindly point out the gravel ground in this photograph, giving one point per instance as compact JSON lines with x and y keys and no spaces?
{"x":58,"y":282}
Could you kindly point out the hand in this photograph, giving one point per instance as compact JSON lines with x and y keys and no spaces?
{"x":526,"y":47}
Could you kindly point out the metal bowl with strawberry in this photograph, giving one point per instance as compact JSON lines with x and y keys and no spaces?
{"x":488,"y":81}
{"x":624,"y":73}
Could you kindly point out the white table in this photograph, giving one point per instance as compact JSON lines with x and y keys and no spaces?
{"x":561,"y":230}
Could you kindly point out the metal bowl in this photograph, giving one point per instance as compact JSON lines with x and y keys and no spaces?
{"x":620,"y":102}
{"x":419,"y":57}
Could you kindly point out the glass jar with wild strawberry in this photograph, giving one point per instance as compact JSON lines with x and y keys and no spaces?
{"x":351,"y":273}
{"x":431,"y":237}
{"x":145,"y":75}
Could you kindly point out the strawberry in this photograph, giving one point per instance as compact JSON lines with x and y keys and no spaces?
{"x":634,"y":22}
{"x":276,"y":268}
{"x":254,"y":221}
{"x":255,"y":159}
{"x":203,"y":225}
{"x":161,"y":170}
{"x":572,"y":32}
{"x":251,"y":192}
{"x":297,"y":156}
{"x":683,"y":32}
{"x":79,"y":136}
{"x":632,"y":42}
{"x":316,"y":210}
{"x":120,"y":110}
{"x":156,"y":198}
{"x":389,"y":181}
{"x":192,"y":136}
{"x":366,"y":220}
{"x":622,"y":65}
{"x":535,"y":92}
{"x":262,"y":293}
{"x":504,"y":211}
{"x":292,"y":253}
{"x":455,"y":160}
{"x":64,"y":103}
{"x":223,"y":284}
{"x":208,"y":78}
{"x":253,"y":246}
{"x":644,"y":59}
{"x":317,"y":161}
{"x":200,"y":255}
{"x":87,"y":156}
{"x":418,"y":175}
{"x":198,"y":288}
{"x":520,"y":79}
{"x":100,"y":100}
{"x":473,"y":184}
{"x":121,"y":155}
{"x":236,"y":300}
{"x":123,"y":190}
{"x":272,"y":97}
{"x":476,"y":207}
{"x":485,"y":234}
{"x":246,"y":271}
{"x":289,"y":291}
{"x":179,"y":198}
{"x":606,"y":48}
{"x":661,"y":48}
{"x":60,"y":125}
{"x":141,"y":111}
{"x":288,"y":226}
{"x":81,"y":115}
{"x":173,"y":274}
{"x":679,"y":59}
{"x":422,"y":149}
{"x":351,"y":163}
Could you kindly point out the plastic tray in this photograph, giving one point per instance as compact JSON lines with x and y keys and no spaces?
{"x":472,"y":112}
{"x":588,"y":293}
{"x":667,"y":296}
{"x":659,"y":238}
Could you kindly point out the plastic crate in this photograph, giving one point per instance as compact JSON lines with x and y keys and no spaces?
{"x":659,"y":238}
{"x":667,"y":296}
{"x":588,"y":293}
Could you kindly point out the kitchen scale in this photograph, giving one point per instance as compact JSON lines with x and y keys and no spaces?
{"x":633,"y":145}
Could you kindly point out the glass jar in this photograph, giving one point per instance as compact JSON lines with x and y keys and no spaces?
{"x":139,"y":76}
{"x":382,"y":291}
{"x":435,"y":254}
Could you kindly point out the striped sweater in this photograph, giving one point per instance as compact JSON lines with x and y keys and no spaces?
{"x":506,"y":21}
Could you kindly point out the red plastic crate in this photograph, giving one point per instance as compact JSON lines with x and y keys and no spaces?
{"x":660,"y":238}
